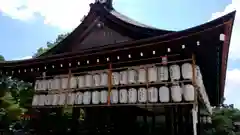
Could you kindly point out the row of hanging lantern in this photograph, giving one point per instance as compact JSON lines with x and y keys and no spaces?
{"x":205,"y":119}
{"x":123,"y":96}
{"x":130,"y":76}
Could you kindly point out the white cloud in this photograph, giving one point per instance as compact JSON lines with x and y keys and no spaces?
{"x":22,"y":58}
{"x":235,"y":40}
{"x":65,"y":14}
{"x":232,"y":91}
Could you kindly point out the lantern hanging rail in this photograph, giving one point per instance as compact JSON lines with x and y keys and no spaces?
{"x":113,"y":105}
{"x":114,"y":86}
{"x":120,"y":68}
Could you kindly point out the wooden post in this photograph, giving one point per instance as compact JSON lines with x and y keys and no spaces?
{"x":109,"y":84}
{"x":68,"y":87}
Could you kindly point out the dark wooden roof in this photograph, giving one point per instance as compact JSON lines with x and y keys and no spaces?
{"x":112,"y":19}
{"x":211,"y":55}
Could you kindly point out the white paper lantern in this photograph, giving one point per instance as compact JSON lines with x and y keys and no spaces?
{"x":43,"y":85}
{"x":174,"y":72}
{"x":142,"y":75}
{"x":41,"y":100}
{"x":204,"y":119}
{"x":37,"y":85}
{"x":95,"y":97}
{"x":79,"y":98}
{"x":87,"y":97}
{"x":142,"y":95}
{"x":35,"y":100}
{"x":70,"y":98}
{"x":152,"y":74}
{"x":123,"y":77}
{"x":88,"y":80}
{"x":49,"y":99}
{"x":50,"y":84}
{"x":176,"y":92}
{"x":55,"y":99}
{"x":123,"y":96}
{"x":132,"y":76}
{"x":164,"y":94}
{"x":96,"y":80}
{"x":209,"y":119}
{"x":162,"y":73}
{"x":64,"y":81}
{"x":132,"y":95}
{"x":62,"y":99}
{"x":114,"y":96}
{"x":187,"y":72}
{"x":152,"y":94}
{"x":56,"y":84}
{"x":81,"y":81}
{"x":104,"y":79}
{"x":115,"y":78}
{"x":103,"y":96}
{"x":73,"y":82}
{"x":188,"y":92}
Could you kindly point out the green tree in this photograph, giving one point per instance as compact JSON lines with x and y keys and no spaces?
{"x":50,"y":45}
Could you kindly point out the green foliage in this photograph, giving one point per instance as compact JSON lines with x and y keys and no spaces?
{"x":51,"y":45}
{"x":2,"y":58}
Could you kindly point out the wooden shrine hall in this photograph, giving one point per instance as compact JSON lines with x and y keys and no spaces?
{"x":127,"y":77}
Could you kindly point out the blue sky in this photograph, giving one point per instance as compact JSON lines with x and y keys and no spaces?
{"x":27,"y":25}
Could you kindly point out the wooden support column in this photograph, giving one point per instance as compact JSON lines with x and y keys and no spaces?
{"x":109,"y":84}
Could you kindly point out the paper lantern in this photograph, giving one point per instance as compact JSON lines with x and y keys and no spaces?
{"x":81,"y":81}
{"x":49,"y":84}
{"x":142,"y":95}
{"x":142,"y":75}
{"x":132,"y":95}
{"x":56,"y":84}
{"x":152,"y":94}
{"x":132,"y":76}
{"x":35,"y":100}
{"x":114,"y":96}
{"x":43,"y":85}
{"x":88,"y":80}
{"x":123,"y":96}
{"x":152,"y":74}
{"x":209,"y":119}
{"x":187,"y":72}
{"x":188,"y":92}
{"x":115,"y":78}
{"x":70,"y":98}
{"x":37,"y":85}
{"x":79,"y":98}
{"x":73,"y":82}
{"x":104,"y":79}
{"x":164,"y":94}
{"x":96,"y":80}
{"x":64,"y":83}
{"x":176,"y":92}
{"x":41,"y":100}
{"x":162,"y":73}
{"x":62,"y":99}
{"x":174,"y":72}
{"x":95,"y":97}
{"x":103,"y":96}
{"x":55,"y":99}
{"x":87,"y":97}
{"x":123,"y":77}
